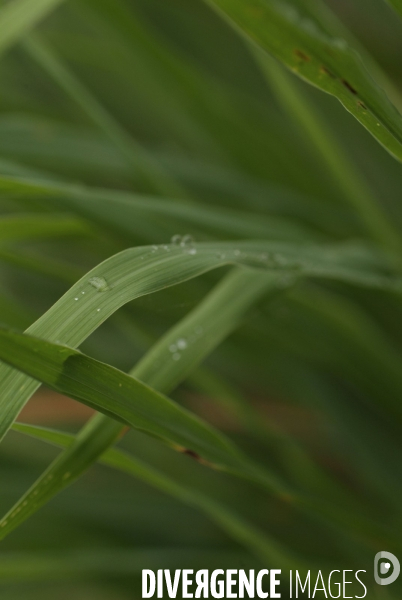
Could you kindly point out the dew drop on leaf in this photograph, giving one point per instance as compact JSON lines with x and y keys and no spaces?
{"x":187,"y":241}
{"x":99,"y":283}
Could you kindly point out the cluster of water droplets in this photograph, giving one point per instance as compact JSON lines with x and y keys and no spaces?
{"x":99,"y":283}
{"x":186,"y":242}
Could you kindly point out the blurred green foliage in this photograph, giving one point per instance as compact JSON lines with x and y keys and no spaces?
{"x":124,"y":123}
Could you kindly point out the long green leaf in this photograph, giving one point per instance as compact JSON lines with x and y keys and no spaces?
{"x":18,"y":17}
{"x":237,"y":528}
{"x":129,"y":212}
{"x":289,"y":32}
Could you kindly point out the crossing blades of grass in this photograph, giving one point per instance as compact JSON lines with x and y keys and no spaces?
{"x":236,"y":527}
{"x":121,"y":396}
{"x":164,"y":366}
{"x":216,"y":317}
{"x":19,"y":17}
{"x":143,"y":270}
{"x":194,"y":338}
{"x":291,"y":33}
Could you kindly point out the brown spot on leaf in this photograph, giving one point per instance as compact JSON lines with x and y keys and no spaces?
{"x":191,"y":453}
{"x":348,"y":86}
{"x":302,"y":55}
{"x":326,"y":71}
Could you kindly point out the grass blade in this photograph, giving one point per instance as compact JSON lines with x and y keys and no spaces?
{"x":290,"y":34}
{"x":345,"y":176}
{"x":127,"y":212}
{"x":259,"y":544}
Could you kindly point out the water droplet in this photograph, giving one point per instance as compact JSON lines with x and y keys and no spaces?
{"x":75,"y":299}
{"x":187,"y":240}
{"x":176,"y":239}
{"x":237,"y":252}
{"x":192,"y":251}
{"x":82,"y":293}
{"x":176,"y":356}
{"x":98,"y":310}
{"x":181,"y":344}
{"x":172,"y":348}
{"x":154,"y":247}
{"x":99,"y":283}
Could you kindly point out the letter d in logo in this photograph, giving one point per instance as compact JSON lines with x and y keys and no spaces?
{"x":382,"y":568}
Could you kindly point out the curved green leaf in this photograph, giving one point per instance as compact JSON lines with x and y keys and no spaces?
{"x":292,"y":34}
